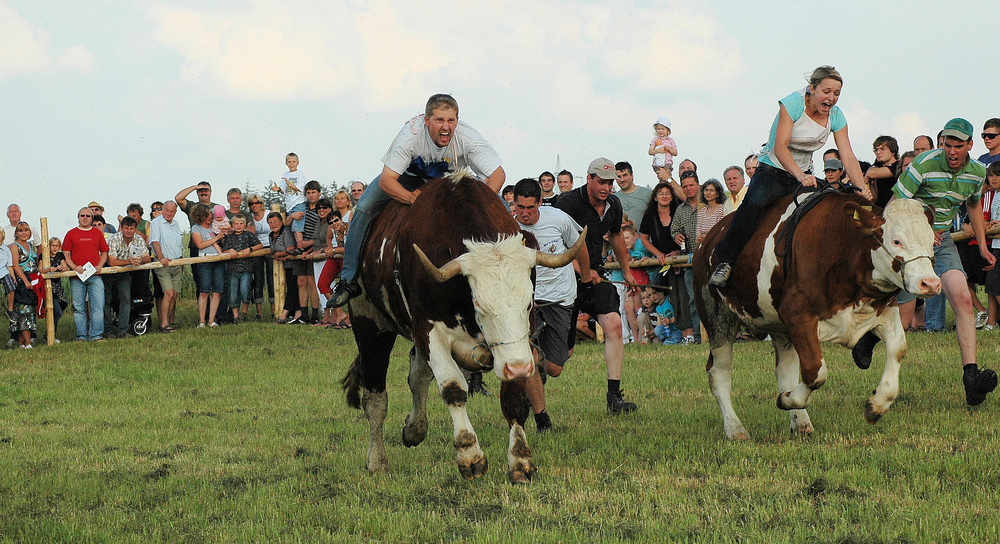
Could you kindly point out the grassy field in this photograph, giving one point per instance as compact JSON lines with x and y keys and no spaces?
{"x":241,"y":434}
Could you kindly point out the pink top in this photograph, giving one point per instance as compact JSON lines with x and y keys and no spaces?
{"x":706,"y":222}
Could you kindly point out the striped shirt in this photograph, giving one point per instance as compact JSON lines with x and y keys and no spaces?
{"x":929,"y":180}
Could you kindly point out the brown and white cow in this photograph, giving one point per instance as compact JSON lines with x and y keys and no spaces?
{"x":470,"y":310}
{"x":841,"y":278}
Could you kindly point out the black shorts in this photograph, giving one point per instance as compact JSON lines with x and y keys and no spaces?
{"x":973,"y":263}
{"x":597,"y":299}
{"x":558,"y":334}
{"x":992,"y":281}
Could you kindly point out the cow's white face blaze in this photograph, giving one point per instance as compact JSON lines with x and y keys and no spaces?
{"x":908,"y":238}
{"x":499,"y":274}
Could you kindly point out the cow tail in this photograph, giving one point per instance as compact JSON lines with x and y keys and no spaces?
{"x":351,"y":384}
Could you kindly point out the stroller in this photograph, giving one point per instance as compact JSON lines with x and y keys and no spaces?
{"x":141,"y":307}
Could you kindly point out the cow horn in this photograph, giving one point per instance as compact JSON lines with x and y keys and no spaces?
{"x":440,"y":275}
{"x":551,"y":260}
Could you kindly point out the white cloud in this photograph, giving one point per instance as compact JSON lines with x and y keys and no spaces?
{"x":25,"y":50}
{"x":388,"y":54}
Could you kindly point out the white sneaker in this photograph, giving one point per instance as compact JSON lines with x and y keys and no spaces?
{"x":200,"y":326}
{"x":58,"y":341}
{"x":213,"y":324}
{"x":688,"y":340}
{"x":981,"y":319}
{"x":988,"y":327}
{"x":28,"y":346}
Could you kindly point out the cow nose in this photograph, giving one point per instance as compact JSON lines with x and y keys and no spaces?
{"x":516,"y":372}
{"x":930,"y":286}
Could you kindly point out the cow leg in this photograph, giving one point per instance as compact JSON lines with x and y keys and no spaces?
{"x":804,"y":337}
{"x":720,"y":380}
{"x":515,"y":406}
{"x":374,"y":347}
{"x":454,"y":391}
{"x":787,"y":371}
{"x":891,"y":330}
{"x":415,"y":429}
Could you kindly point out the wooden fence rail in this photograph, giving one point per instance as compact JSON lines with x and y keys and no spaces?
{"x":278,"y":274}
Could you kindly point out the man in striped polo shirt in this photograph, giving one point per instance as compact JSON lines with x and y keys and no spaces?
{"x":943,"y":179}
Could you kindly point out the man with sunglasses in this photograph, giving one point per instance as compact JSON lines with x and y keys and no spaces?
{"x":357,"y":189}
{"x":85,"y":244}
{"x":991,"y":138}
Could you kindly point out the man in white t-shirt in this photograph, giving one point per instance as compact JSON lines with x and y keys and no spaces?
{"x":555,"y":289}
{"x":428,"y":147}
{"x":14,"y":215}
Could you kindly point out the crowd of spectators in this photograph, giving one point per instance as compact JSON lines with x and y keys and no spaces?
{"x":666,"y":216}
{"x":227,"y":291}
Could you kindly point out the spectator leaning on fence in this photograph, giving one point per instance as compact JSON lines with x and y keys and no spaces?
{"x":262,"y":267}
{"x":168,"y":244}
{"x":239,"y":272}
{"x":125,"y":248}
{"x":82,"y":245}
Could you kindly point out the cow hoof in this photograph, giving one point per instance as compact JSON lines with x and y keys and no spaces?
{"x":473,"y":470}
{"x":741,"y":434}
{"x":871,"y":416}
{"x":414,"y":434}
{"x":377,"y":465}
{"x":522,"y":474}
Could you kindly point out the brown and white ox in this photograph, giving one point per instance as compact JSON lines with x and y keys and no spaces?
{"x":451,"y":273}
{"x":844,"y":270}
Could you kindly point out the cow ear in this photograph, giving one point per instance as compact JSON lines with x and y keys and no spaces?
{"x":862,"y":216}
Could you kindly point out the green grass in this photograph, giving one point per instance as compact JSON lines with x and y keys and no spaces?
{"x":241,"y":434}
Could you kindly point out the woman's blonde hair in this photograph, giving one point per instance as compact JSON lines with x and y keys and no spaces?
{"x":824,"y":72}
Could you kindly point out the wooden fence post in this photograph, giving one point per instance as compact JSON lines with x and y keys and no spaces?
{"x":278,"y":274}
{"x":50,"y":317}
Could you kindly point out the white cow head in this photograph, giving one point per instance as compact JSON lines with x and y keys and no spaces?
{"x":499,"y":274}
{"x":905,"y":259}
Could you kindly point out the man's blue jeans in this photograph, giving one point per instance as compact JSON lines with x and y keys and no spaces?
{"x":92,"y":289}
{"x":371,"y":203}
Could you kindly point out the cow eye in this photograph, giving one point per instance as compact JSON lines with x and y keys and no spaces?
{"x":897,"y":243}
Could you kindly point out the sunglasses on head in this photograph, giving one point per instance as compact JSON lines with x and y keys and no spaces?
{"x":988,"y":136}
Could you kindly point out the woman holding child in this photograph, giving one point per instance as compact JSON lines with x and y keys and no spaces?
{"x":211,"y":276}
{"x":654,"y":232}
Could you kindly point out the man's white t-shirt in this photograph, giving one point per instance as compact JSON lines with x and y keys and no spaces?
{"x":466,"y":148}
{"x":556,"y":232}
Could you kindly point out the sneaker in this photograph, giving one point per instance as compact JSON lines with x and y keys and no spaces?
{"x":988,"y":327}
{"x":981,"y":319}
{"x":476,"y":386}
{"x":720,"y":275}
{"x":200,"y":326}
{"x":617,"y":403}
{"x":345,"y":291}
{"x":543,"y":423}
{"x":689,"y":340}
{"x":862,"y":351}
{"x":978,"y":383}
{"x":12,"y":317}
{"x":293,"y":320}
{"x":213,"y":324}
{"x":28,"y":346}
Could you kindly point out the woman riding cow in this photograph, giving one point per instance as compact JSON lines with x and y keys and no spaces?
{"x":804,"y":122}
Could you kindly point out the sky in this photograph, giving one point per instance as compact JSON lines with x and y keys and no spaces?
{"x":131,"y":101}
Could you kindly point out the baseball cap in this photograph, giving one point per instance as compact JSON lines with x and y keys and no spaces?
{"x":662,"y":121}
{"x":958,"y":128}
{"x":832,"y":164}
{"x":602,"y":168}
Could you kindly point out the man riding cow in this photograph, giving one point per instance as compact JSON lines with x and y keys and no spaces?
{"x":428,"y":147}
